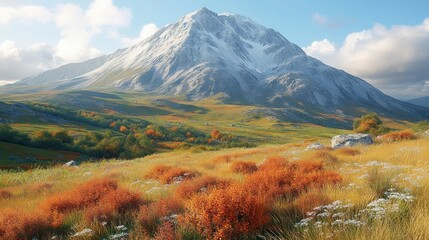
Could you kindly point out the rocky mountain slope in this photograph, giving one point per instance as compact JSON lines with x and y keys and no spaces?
{"x":205,"y":53}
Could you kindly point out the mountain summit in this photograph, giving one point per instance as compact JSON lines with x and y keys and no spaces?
{"x":206,"y":53}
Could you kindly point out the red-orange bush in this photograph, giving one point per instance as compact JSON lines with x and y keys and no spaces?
{"x":191,"y":187}
{"x":119,"y":201}
{"x":166,"y":232}
{"x":215,"y":134}
{"x":82,"y":196}
{"x":123,"y":129}
{"x":5,"y":194}
{"x":16,"y":224}
{"x":279,"y":178}
{"x":151,"y":216}
{"x":101,"y":199}
{"x":225,"y":213}
{"x":167,"y":174}
{"x":397,"y":136}
{"x":244,"y":167}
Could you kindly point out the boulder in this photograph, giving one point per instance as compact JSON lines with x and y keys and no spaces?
{"x":70,"y":164}
{"x":349,"y":140}
{"x":426,"y":134}
{"x":314,"y":146}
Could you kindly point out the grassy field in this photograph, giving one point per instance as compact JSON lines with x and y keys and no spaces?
{"x":13,"y":155}
{"x":395,"y":175}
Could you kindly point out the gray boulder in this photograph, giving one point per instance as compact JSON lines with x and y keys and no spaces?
{"x":70,"y":164}
{"x":315,"y":146}
{"x":349,"y":140}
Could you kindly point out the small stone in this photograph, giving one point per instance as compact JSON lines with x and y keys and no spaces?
{"x":70,"y":164}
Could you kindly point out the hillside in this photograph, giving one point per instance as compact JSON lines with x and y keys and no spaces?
{"x":388,"y":190}
{"x":422,"y":101}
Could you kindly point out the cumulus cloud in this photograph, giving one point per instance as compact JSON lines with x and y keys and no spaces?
{"x":16,"y":63}
{"x":103,"y":13}
{"x":394,"y":59}
{"x":27,"y":13}
{"x":77,"y":27}
{"x":146,"y":31}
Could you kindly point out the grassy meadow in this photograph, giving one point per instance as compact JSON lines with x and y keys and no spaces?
{"x":365,"y":173}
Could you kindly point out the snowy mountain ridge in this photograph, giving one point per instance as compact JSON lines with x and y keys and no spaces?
{"x":205,"y":53}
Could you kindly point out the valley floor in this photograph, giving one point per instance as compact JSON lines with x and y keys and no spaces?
{"x":382,"y":195}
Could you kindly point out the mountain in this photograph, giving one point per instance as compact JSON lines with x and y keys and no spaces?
{"x":205,"y":53}
{"x":422,"y":101}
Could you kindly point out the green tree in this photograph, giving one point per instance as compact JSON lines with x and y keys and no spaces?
{"x":369,"y":123}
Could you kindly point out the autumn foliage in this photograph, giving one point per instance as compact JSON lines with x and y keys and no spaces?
{"x":225,"y":213}
{"x":215,"y":134}
{"x":99,"y":198}
{"x":244,"y":167}
{"x":17,"y":224}
{"x":277,"y":177}
{"x":397,"y":136}
{"x":189,"y":188}
{"x":168,"y":174}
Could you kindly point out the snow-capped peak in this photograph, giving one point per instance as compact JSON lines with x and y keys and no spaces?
{"x":206,"y":53}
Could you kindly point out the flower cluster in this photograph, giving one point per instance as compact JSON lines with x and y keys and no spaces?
{"x":339,"y":215}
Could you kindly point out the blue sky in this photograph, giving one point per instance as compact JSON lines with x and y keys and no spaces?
{"x":33,"y":29}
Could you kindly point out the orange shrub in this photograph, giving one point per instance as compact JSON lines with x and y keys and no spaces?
{"x":166,"y":232}
{"x":244,"y":167}
{"x":191,"y":187}
{"x":119,"y":201}
{"x":123,"y":129}
{"x":168,"y":174}
{"x":307,"y":201}
{"x":100,"y":199}
{"x":5,"y":194}
{"x":397,"y":136}
{"x":152,"y":133}
{"x":16,"y":224}
{"x":150,"y":216}
{"x":215,"y":134}
{"x":225,"y":213}
{"x":279,"y":178}
{"x":82,"y":196}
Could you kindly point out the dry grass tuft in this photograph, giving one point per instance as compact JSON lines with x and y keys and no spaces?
{"x":4,"y":194}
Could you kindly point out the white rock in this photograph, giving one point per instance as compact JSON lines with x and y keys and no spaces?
{"x":70,"y":164}
{"x":314,"y":146}
{"x":349,"y":140}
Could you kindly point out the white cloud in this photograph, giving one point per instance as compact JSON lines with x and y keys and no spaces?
{"x":16,"y":63}
{"x":324,"y":47}
{"x":102,"y":13}
{"x":77,"y":27}
{"x":146,"y":31}
{"x":393,"y":59}
{"x":27,"y":13}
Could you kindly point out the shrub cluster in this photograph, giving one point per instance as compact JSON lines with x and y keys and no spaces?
{"x":397,"y":136}
{"x":168,"y":174}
